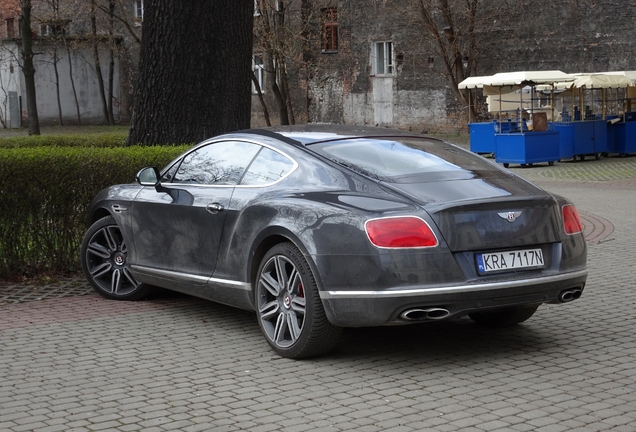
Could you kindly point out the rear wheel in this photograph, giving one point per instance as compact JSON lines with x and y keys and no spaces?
{"x":288,"y":306}
{"x":104,"y":257}
{"x":504,"y":318}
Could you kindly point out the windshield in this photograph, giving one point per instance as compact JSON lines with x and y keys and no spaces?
{"x":405,"y":159}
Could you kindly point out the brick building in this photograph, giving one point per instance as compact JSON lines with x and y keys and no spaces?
{"x":369,"y":62}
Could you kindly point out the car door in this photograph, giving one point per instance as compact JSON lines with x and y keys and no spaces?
{"x":178,"y":229}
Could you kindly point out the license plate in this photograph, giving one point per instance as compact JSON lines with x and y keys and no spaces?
{"x":510,"y":260}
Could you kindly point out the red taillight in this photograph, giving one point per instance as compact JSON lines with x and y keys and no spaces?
{"x":400,"y":232}
{"x":571,"y":220}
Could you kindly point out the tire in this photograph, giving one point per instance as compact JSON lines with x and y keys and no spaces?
{"x":506,"y":165}
{"x":288,"y":306}
{"x":104,"y":262}
{"x":504,"y":318}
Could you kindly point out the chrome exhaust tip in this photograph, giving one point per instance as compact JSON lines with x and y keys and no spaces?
{"x":570,"y":294}
{"x":417,"y":314}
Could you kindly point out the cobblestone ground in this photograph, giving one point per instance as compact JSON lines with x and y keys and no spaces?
{"x":82,"y":363}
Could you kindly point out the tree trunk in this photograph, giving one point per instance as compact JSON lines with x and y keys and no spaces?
{"x":194,"y":71}
{"x":261,"y":99}
{"x":111,"y":64}
{"x":70,"y":73}
{"x":56,"y":59}
{"x":28,"y":68}
{"x":98,"y":67}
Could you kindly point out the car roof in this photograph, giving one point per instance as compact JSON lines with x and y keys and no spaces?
{"x":315,"y":133}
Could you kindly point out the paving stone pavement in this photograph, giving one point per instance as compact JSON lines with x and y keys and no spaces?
{"x":172,"y":362}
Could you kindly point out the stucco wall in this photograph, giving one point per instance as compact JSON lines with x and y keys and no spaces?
{"x":85,"y":80}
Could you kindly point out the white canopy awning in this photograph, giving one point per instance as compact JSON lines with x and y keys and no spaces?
{"x":526,"y":78}
{"x":507,"y":82}
{"x":598,"y":80}
{"x":472,"y":82}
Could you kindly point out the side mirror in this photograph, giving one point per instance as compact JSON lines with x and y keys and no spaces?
{"x":148,"y":176}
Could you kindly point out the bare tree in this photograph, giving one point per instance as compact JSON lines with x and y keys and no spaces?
{"x":450,"y":30}
{"x":281,"y":44}
{"x":28,"y":68}
{"x":118,"y":14}
{"x":98,"y":66}
{"x":56,"y":31}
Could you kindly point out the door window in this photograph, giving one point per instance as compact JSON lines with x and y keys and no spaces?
{"x":221,"y":163}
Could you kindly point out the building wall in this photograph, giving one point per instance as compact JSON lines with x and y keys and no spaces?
{"x":568,"y":35}
{"x":78,"y":31}
{"x":84,"y":77}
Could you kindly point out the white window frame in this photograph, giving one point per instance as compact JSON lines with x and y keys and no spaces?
{"x":138,"y":6}
{"x":46,"y":30}
{"x":382,"y":58}
{"x":258,"y":72}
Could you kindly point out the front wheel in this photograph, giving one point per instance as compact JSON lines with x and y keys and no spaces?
{"x":104,"y":257}
{"x":288,"y":306}
{"x":504,"y":318}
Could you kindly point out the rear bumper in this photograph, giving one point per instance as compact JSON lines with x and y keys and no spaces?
{"x":375,"y":308}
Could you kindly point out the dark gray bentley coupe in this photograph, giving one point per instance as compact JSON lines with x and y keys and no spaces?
{"x":317,"y":228}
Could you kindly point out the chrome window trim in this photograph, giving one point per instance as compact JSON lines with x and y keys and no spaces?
{"x":411,"y":292}
{"x":224,"y":139}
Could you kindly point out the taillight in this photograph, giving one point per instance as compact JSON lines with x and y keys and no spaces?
{"x":571,"y":220}
{"x":400,"y":232}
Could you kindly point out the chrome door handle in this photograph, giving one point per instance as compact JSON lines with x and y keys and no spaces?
{"x":214,"y":208}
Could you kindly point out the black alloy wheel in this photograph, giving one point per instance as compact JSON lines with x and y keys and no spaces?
{"x":104,"y":257}
{"x":288,"y":306}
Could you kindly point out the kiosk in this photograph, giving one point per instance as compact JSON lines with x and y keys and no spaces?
{"x":514,"y":142}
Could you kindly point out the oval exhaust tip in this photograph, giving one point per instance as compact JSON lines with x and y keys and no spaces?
{"x":424,"y":314}
{"x":570,"y":294}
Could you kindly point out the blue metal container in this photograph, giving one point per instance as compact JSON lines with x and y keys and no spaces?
{"x":482,"y":138}
{"x":527,"y":148}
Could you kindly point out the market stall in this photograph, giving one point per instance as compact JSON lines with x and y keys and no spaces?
{"x":513,"y":141}
{"x":623,"y":131}
{"x":585,"y":131}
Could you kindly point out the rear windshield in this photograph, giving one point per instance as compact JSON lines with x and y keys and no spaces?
{"x":405,"y":159}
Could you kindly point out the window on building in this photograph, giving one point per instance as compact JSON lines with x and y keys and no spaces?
{"x":330,"y":29}
{"x":139,"y":9}
{"x":382,"y":58}
{"x":54,"y":28}
{"x":257,"y":67}
{"x":45,"y":30}
{"x":11,"y":28}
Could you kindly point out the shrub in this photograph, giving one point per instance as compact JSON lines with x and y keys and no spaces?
{"x":107,"y":139}
{"x":45,"y":193}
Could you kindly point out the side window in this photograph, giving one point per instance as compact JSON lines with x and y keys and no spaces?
{"x":221,"y":163}
{"x":168,"y":176}
{"x":268,"y":167}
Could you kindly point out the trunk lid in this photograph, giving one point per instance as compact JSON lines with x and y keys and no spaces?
{"x":492,"y":213}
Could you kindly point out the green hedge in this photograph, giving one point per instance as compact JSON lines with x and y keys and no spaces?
{"x":45,"y":193}
{"x":107,"y":139}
